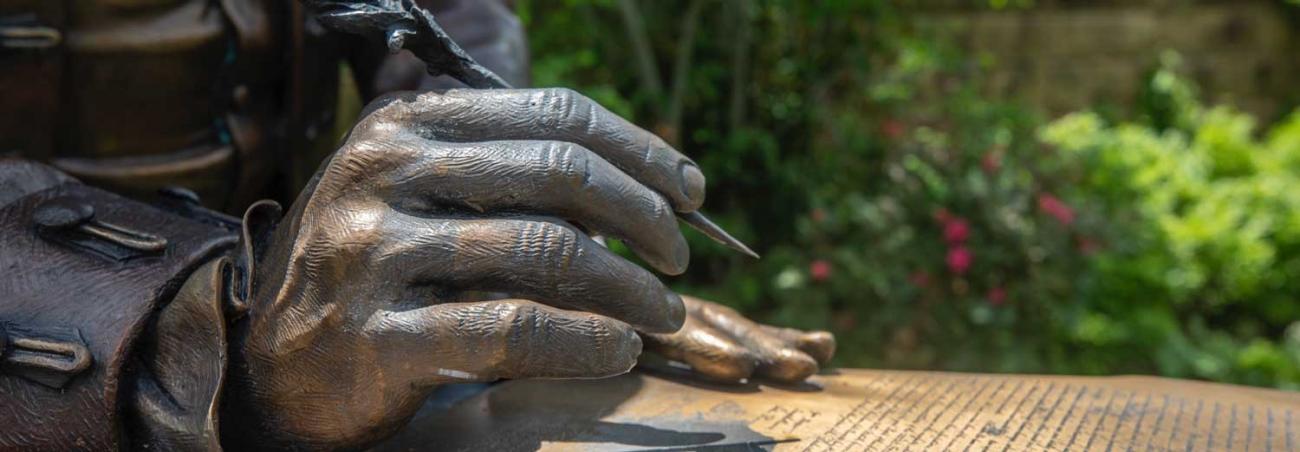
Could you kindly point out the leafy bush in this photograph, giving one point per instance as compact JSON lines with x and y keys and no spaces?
{"x":1199,"y":270}
{"x":930,"y":226}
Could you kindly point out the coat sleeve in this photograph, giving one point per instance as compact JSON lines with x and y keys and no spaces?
{"x":84,"y":274}
{"x":178,"y":371}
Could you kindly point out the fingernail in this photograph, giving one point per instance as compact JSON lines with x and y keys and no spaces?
{"x":692,"y":185}
{"x":634,"y":345}
{"x":820,"y":345}
{"x":632,"y":351}
{"x":676,"y":311}
{"x":622,"y":359}
{"x":682,"y":256}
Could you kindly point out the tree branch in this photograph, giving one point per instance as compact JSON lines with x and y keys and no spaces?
{"x":682,"y":71}
{"x":739,"y":62}
{"x":647,"y":67}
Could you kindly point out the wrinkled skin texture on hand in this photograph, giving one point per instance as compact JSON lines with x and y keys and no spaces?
{"x":723,"y":345}
{"x":365,"y":296}
{"x":360,"y":294}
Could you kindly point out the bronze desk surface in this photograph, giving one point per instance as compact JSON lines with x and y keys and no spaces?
{"x":864,"y":410}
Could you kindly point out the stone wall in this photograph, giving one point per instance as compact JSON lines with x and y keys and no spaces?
{"x":1065,"y":55}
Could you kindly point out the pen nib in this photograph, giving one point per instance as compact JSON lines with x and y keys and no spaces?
{"x":698,"y":221}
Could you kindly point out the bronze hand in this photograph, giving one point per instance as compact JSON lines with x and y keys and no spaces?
{"x":719,"y":343}
{"x":359,"y":294}
{"x":402,"y":24}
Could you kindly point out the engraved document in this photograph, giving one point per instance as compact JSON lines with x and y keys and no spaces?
{"x":854,"y":410}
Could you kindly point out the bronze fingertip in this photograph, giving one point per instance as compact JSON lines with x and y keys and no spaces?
{"x":674,"y":312}
{"x":681,"y":256}
{"x":789,"y":366}
{"x":692,"y":185}
{"x":820,"y":345}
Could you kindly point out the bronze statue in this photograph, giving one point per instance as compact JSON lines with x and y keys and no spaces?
{"x":133,"y":316}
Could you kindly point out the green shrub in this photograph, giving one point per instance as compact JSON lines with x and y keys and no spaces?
{"x":931,"y":226}
{"x":1201,"y":239}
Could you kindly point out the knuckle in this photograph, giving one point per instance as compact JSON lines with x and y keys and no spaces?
{"x":365,"y":157}
{"x":563,"y":109}
{"x":601,"y":336}
{"x":554,"y":247}
{"x":607,"y":334}
{"x":385,"y":112}
{"x":615,"y":346}
{"x":361,"y":226}
{"x":571,"y":164}
{"x":510,"y":316}
{"x":516,"y":325}
{"x":360,"y":148}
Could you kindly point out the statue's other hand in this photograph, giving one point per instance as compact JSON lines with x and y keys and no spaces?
{"x":721,"y":344}
{"x":360,"y":294}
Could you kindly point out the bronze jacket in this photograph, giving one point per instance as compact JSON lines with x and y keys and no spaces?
{"x":118,"y":283}
{"x":235,"y":100}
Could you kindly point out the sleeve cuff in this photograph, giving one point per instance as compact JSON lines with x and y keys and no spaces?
{"x":181,"y":368}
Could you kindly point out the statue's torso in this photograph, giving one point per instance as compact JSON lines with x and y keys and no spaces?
{"x":135,"y":95}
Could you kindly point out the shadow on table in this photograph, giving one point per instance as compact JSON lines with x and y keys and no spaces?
{"x":523,"y":415}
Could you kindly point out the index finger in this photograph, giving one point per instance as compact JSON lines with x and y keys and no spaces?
{"x":557,"y":114}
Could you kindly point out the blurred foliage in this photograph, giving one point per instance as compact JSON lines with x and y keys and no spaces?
{"x":930,"y":226}
{"x":1199,"y":265}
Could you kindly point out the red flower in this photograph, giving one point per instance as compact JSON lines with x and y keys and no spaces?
{"x":1053,"y":206}
{"x":997,"y":296}
{"x":820,"y":270}
{"x":959,"y":259}
{"x":956,"y":231}
{"x":919,"y":278}
{"x":893,"y":128}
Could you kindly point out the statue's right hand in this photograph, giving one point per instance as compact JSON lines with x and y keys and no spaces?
{"x":357,"y":297}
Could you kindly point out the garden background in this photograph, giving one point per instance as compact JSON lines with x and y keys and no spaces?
{"x":1088,"y":187}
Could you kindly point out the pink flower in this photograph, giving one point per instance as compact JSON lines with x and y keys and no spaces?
{"x":1053,"y":206}
{"x":997,"y":296}
{"x":959,"y":259}
{"x":956,"y":231}
{"x":820,"y":270}
{"x":919,"y":278}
